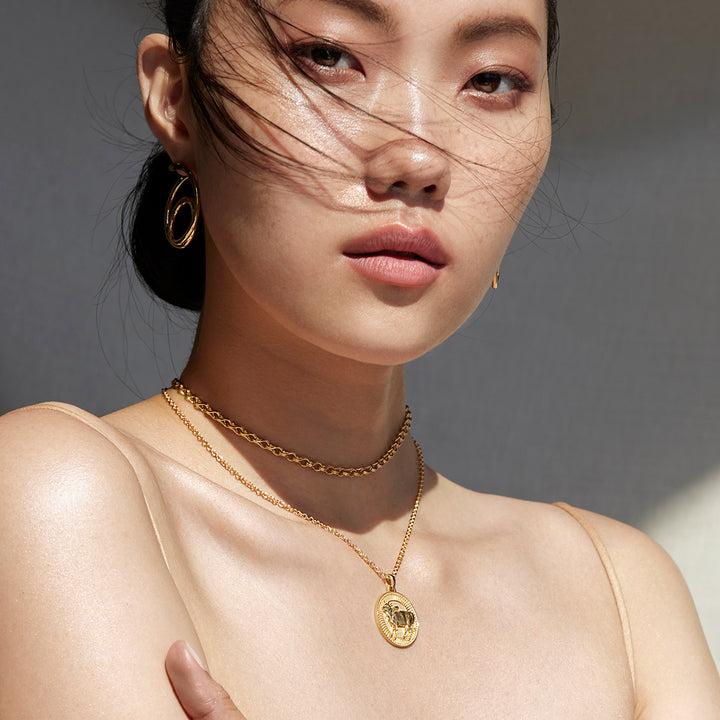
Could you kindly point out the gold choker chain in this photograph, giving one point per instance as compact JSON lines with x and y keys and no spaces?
{"x":395,"y":615}
{"x":289,"y":455}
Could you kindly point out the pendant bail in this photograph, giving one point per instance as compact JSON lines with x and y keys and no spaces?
{"x":390,"y":582}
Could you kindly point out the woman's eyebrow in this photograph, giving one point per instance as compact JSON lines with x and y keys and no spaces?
{"x":467,"y":32}
{"x":368,"y":10}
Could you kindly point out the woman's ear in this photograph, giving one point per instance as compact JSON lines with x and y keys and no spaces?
{"x":163,"y":92}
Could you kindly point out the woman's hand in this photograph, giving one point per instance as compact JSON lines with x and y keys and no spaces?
{"x":200,"y":696}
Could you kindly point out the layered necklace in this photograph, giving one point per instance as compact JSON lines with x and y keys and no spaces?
{"x":395,"y":615}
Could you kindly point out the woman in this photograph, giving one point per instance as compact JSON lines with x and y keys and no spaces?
{"x":360,"y":168}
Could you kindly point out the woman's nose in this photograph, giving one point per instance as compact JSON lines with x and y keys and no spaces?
{"x":408,"y":169}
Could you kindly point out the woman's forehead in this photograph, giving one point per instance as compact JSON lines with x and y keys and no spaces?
{"x":418,"y":15}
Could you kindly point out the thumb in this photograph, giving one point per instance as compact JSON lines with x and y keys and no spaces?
{"x":200,"y":696}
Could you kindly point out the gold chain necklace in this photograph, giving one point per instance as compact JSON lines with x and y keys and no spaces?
{"x":288,"y":455}
{"x":395,"y":615}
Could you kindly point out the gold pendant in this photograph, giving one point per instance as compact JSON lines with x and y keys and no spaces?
{"x":396,"y":617}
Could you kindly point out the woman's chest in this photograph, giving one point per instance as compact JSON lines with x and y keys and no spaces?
{"x":286,"y":616}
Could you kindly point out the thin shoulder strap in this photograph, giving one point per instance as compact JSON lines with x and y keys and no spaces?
{"x":612,"y":578}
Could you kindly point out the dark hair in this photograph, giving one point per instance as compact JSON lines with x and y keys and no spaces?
{"x":178,"y":276}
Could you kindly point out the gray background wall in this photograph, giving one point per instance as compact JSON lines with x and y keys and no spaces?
{"x":590,"y":375}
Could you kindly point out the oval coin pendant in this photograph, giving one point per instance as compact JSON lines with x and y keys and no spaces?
{"x":396,"y":619}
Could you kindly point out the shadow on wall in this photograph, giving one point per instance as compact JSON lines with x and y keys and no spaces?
{"x":686,"y":525}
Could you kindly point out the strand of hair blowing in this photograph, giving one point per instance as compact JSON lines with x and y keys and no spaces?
{"x":178,"y":276}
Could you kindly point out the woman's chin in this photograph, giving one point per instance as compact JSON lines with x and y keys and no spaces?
{"x":388,"y":347}
{"x":392,"y":337}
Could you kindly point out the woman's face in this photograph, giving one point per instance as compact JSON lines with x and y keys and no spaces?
{"x":415,"y":143}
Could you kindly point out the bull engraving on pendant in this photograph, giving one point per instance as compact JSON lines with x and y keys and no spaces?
{"x":396,"y":619}
{"x":399,"y":618}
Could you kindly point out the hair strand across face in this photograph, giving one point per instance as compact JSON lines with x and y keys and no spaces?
{"x":178,"y":277}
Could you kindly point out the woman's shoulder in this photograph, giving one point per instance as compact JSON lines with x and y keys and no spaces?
{"x":563,"y":530}
{"x":665,"y":642}
{"x":557,"y":533}
{"x":53,"y":441}
{"x":65,"y":433}
{"x":675,"y":669}
{"x":57,"y":435}
{"x":480,"y":511}
{"x":62,"y":467}
{"x":81,"y":560}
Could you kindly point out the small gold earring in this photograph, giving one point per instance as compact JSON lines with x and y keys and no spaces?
{"x":496,"y":280}
{"x":173,"y":208}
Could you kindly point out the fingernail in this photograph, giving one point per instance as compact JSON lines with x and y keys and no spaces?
{"x":196,"y":657}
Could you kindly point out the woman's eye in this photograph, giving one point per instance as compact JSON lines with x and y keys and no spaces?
{"x":493,"y":83}
{"x":327,"y":56}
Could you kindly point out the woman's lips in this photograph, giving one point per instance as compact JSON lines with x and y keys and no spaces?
{"x":398,"y":255}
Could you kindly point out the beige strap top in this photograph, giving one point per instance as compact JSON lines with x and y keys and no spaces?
{"x":612,"y":578}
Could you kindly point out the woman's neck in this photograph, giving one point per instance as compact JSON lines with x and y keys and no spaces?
{"x":325,"y":407}
{"x":334,"y":408}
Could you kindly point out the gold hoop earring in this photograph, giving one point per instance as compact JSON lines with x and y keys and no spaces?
{"x":173,"y":208}
{"x":496,"y":280}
